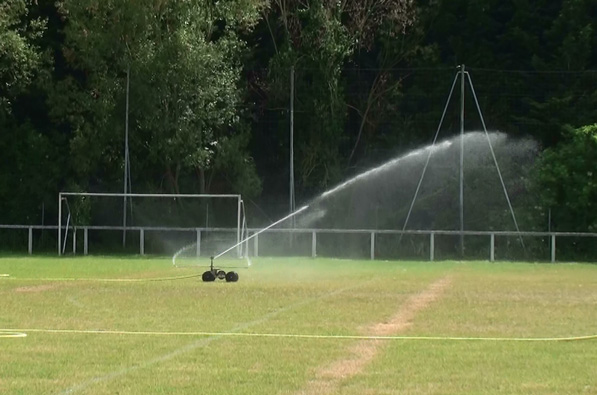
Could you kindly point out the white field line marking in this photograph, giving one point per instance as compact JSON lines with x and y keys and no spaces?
{"x":201,"y":342}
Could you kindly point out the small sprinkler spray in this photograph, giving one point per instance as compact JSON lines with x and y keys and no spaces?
{"x":214,"y":273}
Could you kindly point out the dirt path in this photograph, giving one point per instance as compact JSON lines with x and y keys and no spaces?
{"x":36,"y":288}
{"x":328,"y":378}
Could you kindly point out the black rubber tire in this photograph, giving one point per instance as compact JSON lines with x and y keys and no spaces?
{"x":208,"y":276}
{"x":231,"y":277}
{"x":221,"y":274}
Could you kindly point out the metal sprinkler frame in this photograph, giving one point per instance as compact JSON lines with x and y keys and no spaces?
{"x":214,"y":273}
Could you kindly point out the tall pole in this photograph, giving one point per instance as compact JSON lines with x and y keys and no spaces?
{"x":126,"y":157}
{"x":462,"y":73}
{"x":291,"y":192}
{"x":238,"y":226}
{"x":59,"y":223}
{"x":291,"y":195}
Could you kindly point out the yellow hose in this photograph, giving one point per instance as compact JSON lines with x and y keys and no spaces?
{"x":22,"y":333}
{"x":5,"y":334}
{"x":117,"y":280}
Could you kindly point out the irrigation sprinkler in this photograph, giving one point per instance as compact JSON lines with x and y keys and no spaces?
{"x":214,"y":273}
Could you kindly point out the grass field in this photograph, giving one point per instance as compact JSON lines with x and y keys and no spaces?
{"x":297,"y":326}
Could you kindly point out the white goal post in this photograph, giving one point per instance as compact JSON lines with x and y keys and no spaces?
{"x":62,"y":197}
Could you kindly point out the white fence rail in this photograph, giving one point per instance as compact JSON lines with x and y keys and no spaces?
{"x":255,"y":241}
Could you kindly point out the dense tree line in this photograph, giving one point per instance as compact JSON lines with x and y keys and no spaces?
{"x":210,"y":81}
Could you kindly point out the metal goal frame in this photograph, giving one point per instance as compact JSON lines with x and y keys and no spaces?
{"x":63,"y":195}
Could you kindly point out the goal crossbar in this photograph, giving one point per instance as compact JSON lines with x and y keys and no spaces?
{"x":165,"y":195}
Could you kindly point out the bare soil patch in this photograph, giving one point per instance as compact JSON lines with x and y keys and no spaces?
{"x":36,"y":288}
{"x":328,"y":378}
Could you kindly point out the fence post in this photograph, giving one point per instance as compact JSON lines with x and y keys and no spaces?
{"x":431,"y":246}
{"x":142,"y":241}
{"x":492,"y":247}
{"x":198,"y":242}
{"x":30,"y":244}
{"x":372,"y":255}
{"x":553,"y":248}
{"x":256,"y":245}
{"x":313,"y":244}
{"x":85,"y":241}
{"x":75,"y":241}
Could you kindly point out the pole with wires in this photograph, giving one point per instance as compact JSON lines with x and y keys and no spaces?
{"x":464,"y":76}
{"x":291,"y":187}
{"x":126,"y":157}
{"x":292,"y":201}
{"x":461,"y":200}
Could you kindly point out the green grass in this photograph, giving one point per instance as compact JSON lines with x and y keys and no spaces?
{"x":294,"y":296}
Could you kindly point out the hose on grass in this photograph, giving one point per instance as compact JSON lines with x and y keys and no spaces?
{"x":7,"y":333}
{"x":23,"y":333}
{"x":118,"y":280}
{"x":10,"y":334}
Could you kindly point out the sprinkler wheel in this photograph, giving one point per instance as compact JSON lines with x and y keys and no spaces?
{"x":208,"y":276}
{"x":231,"y":277}
{"x":221,"y":274}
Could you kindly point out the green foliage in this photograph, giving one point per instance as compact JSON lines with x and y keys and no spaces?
{"x":27,"y":170}
{"x":316,"y":44}
{"x":320,"y":39}
{"x":565,"y":179}
{"x":184,"y":65}
{"x":20,"y":58}
{"x":237,"y":166}
{"x":528,"y":41}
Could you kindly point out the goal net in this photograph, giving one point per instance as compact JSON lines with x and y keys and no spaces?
{"x":190,"y":225}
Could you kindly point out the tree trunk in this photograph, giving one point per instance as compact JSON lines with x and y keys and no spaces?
{"x":201,"y":175}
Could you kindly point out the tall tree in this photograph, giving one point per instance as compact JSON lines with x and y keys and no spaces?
{"x":533,"y":60}
{"x":27,"y":168}
{"x":565,"y":186}
{"x":185,"y":94}
{"x":20,"y":57}
{"x":570,"y":45}
{"x":319,"y":38}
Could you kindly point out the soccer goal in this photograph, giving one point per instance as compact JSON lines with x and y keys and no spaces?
{"x":158,"y":224}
